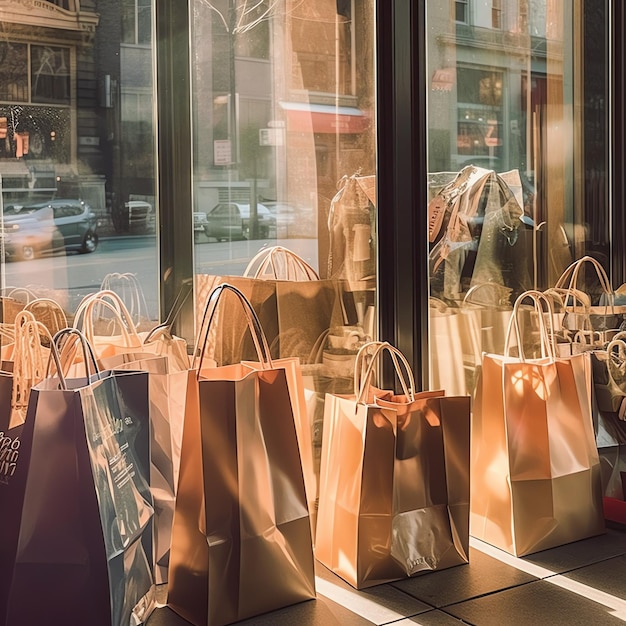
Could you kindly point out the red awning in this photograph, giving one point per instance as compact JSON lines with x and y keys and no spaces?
{"x":324,"y":118}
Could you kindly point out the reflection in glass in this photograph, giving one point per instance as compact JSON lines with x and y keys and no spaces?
{"x":77,"y":132}
{"x":505,"y":143}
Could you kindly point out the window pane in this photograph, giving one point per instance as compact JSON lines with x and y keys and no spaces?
{"x":50,"y":74}
{"x":505,"y":151}
{"x":284,"y":110}
{"x":77,"y":142}
{"x":13,"y":72}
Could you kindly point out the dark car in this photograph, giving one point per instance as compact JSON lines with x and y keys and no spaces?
{"x":231,"y":220}
{"x":30,"y":230}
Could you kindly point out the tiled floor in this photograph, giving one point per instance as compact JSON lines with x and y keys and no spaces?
{"x":580,"y":583}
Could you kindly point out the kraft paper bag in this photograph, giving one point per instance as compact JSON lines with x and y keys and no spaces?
{"x":293,"y":312}
{"x":394,"y":480}
{"x":78,"y":509}
{"x":241,"y":541}
{"x":536,"y":480}
{"x":456,"y":346}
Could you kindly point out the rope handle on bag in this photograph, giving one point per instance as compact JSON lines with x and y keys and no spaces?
{"x":58,"y":348}
{"x":362,"y":380}
{"x":14,"y":292}
{"x":83,"y":319}
{"x":100,"y":297}
{"x":29,"y":366}
{"x":50,"y":306}
{"x":572,"y":272}
{"x":127,"y":279}
{"x":256,"y":330}
{"x":294,"y":265}
{"x":131,"y":338}
{"x":474,"y":288}
{"x":613,"y":363}
{"x":546,"y":332}
{"x":618,"y":345}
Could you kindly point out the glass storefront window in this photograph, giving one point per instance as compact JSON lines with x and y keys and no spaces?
{"x":284,"y":140}
{"x":510,"y":207}
{"x":284,"y":158}
{"x":77,"y":151}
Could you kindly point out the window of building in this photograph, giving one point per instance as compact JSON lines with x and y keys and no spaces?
{"x":461,"y":11}
{"x":136,"y":21}
{"x":50,"y":75}
{"x":496,"y":14}
{"x":13,"y":72}
{"x":68,"y":5}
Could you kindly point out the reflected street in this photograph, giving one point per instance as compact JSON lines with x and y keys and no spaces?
{"x":68,"y":278}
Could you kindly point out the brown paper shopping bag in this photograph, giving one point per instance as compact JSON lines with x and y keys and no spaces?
{"x":535,"y":467}
{"x":241,"y":542}
{"x":394,"y":479}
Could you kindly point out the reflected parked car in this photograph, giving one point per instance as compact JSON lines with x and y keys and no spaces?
{"x":231,"y":220}
{"x":30,"y":230}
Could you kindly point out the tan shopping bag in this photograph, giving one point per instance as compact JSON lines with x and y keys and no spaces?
{"x":535,"y":467}
{"x":590,"y":305}
{"x":241,"y":543}
{"x":394,"y":479}
{"x":455,"y":347}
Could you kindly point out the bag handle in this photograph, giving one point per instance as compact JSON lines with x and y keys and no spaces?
{"x":573,"y":271}
{"x":256,"y":330}
{"x":29,"y":360}
{"x":480,"y":286}
{"x":438,"y":306}
{"x":59,"y":347}
{"x":16,"y":292}
{"x":110,"y":300}
{"x":274,"y":258}
{"x":50,"y":306}
{"x":362,"y":380}
{"x":615,"y":346}
{"x":546,"y":331}
{"x":128,"y":284}
{"x":99,"y":298}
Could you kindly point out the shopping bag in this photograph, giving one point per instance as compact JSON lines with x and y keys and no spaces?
{"x":279,"y":263}
{"x":533,"y":446}
{"x":293,"y":314}
{"x":24,"y":362}
{"x":593,"y":305}
{"x":12,"y":301}
{"x":455,"y":347}
{"x":165,"y":357}
{"x":167,"y":391}
{"x":241,"y":541}
{"x":77,"y":537}
{"x":127,"y":286}
{"x":394,"y":479}
{"x":322,"y":376}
